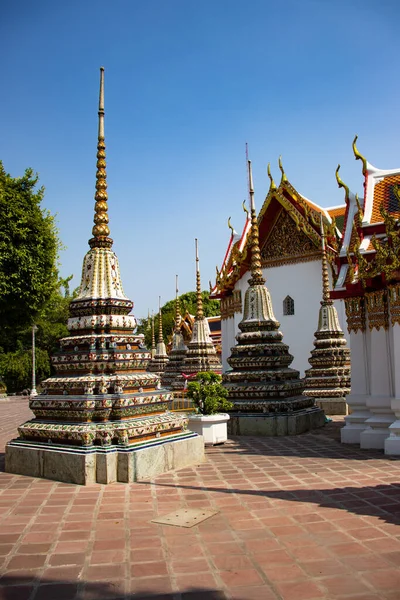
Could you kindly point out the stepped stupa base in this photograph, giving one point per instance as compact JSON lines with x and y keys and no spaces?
{"x":333,"y":406}
{"x":85,"y":465}
{"x":276,"y":424}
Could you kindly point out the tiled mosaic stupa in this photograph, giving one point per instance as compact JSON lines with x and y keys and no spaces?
{"x":266,"y":392}
{"x":328,"y":380}
{"x":102,"y":417}
{"x":201,"y":354}
{"x":160,"y":359}
{"x":171,"y":376}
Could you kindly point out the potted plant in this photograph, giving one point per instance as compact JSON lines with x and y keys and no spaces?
{"x":210,"y":398}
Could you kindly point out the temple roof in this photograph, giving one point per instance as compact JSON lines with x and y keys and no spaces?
{"x":368,"y":223}
{"x":284,"y":210}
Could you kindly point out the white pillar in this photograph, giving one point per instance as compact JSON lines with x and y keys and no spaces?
{"x":392,"y":443}
{"x":381,"y":375}
{"x":357,"y":399}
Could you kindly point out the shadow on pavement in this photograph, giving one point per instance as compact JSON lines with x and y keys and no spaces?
{"x":24,"y":588}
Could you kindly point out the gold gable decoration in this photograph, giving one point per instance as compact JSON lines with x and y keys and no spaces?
{"x":377,"y":307}
{"x":386,"y":260}
{"x":394,"y":303}
{"x":231,"y":304}
{"x":355,"y":314}
{"x":287,"y":243}
{"x":227,"y":277}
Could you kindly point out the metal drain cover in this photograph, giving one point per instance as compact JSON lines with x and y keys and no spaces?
{"x":185,"y":517}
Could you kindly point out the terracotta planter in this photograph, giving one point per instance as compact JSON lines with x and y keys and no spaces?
{"x":212,"y":427}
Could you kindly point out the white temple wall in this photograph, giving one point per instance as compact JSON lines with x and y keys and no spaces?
{"x":303,"y":283}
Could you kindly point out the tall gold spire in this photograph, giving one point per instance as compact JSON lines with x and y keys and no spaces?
{"x":199,"y":299}
{"x":100,"y":229}
{"x":160,"y":332}
{"x":153,"y":337}
{"x":177,"y":306}
{"x":256,"y":272}
{"x":326,"y":296}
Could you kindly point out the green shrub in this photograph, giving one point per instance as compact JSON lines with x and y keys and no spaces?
{"x":208,"y":393}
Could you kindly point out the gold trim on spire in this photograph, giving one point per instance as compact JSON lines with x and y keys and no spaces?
{"x":246,"y":210}
{"x":340,"y":183}
{"x":100,"y":230}
{"x":284,"y":178}
{"x":359,"y":156}
{"x":153,"y":337}
{"x":272,"y":185}
{"x":178,"y":317}
{"x":199,"y":299}
{"x":326,"y":294}
{"x":255,"y":266}
{"x":160,"y":331}
{"x":230,"y":227}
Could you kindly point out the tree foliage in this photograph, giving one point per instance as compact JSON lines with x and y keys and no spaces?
{"x":16,"y":368}
{"x":30,"y":288}
{"x":29,"y":247}
{"x":187,"y":302}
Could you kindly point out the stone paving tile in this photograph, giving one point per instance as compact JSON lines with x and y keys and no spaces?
{"x":299,"y":518}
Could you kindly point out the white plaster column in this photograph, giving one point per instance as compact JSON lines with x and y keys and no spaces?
{"x":392,"y":443}
{"x":357,"y":399}
{"x":380,"y":372}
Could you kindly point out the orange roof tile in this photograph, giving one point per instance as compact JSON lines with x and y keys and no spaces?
{"x":386,"y":192}
{"x":338,"y":214}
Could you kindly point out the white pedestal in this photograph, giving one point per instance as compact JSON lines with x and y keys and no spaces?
{"x":392,"y":443}
{"x":378,"y":423}
{"x":356,"y":421}
{"x":213,"y":428}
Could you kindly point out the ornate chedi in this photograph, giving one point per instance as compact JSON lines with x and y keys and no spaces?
{"x":328,"y":380}
{"x":201,"y":354}
{"x":171,"y":377}
{"x":160,"y":360}
{"x":102,"y":417}
{"x":266,"y":392}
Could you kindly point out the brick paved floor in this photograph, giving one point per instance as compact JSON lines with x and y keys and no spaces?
{"x":299,"y":518}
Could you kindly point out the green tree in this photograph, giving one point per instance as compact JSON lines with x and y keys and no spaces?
{"x":29,"y":247}
{"x":30,"y":288}
{"x":187,"y":302}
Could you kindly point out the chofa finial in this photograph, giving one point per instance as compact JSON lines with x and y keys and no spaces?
{"x":231,"y":228}
{"x":340,"y":183}
{"x":284,"y":178}
{"x":359,"y":156}
{"x":272,"y":184}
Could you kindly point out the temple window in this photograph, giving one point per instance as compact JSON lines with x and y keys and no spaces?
{"x":288,"y":306}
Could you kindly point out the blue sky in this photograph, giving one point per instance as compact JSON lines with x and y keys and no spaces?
{"x":187,"y":84}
